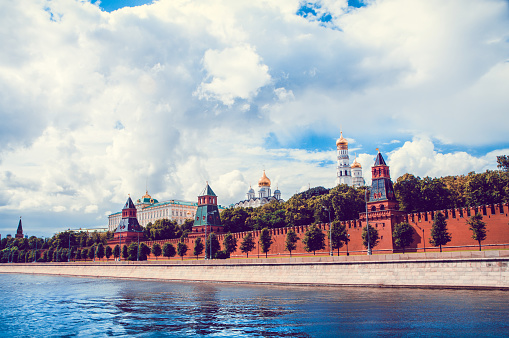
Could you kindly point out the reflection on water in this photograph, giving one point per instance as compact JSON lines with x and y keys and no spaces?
{"x":82,"y":307}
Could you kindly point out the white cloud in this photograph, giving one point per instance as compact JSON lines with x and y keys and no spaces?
{"x":235,"y":72}
{"x":420,"y":158}
{"x":96,"y":106}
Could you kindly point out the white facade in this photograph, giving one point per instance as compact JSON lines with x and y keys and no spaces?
{"x":264,"y":195}
{"x":344,"y":171}
{"x":357,"y":179}
{"x":346,"y":174}
{"x":149,"y":210}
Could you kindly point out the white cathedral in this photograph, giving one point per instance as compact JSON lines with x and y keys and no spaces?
{"x":346,"y":174}
{"x":264,"y":194}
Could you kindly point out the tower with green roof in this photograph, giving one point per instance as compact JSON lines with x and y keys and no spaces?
{"x":207,"y":215}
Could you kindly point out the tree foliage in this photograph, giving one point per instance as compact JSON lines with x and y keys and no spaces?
{"x":339,"y":235}
{"x":439,"y":234}
{"x":156,"y":250}
{"x":478,"y":228}
{"x":100,"y":251}
{"x":265,"y":240}
{"x":169,"y":250}
{"x":314,"y":239}
{"x":182,"y":249}
{"x":229,"y":244}
{"x":247,"y":245}
{"x":212,"y":246}
{"x":503,"y":162}
{"x":403,"y":235}
{"x":198,"y":247}
{"x":291,"y":241}
{"x":162,"y":229}
{"x":374,"y":237}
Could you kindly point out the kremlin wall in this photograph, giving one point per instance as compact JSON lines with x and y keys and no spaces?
{"x":383,"y":214}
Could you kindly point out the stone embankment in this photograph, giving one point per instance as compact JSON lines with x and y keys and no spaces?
{"x":487,"y":269}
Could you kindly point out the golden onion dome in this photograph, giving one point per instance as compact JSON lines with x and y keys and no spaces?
{"x":147,"y":195}
{"x":264,"y":181}
{"x":341,"y":141}
{"x":356,"y":164}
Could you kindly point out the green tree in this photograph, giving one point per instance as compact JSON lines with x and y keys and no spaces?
{"x":198,"y":247}
{"x":169,"y":250}
{"x":212,"y":246}
{"x":478,"y":228}
{"x":156,"y":250}
{"x":116,"y":251}
{"x":99,"y":252}
{"x":339,"y":235}
{"x":234,"y":219}
{"x":132,"y":251}
{"x":403,"y":235}
{"x":434,"y":194}
{"x":265,"y":240}
{"x":347,"y":202}
{"x":314,"y":239}
{"x":439,"y":234}
{"x":408,"y":193}
{"x":91,"y":252}
{"x":84,"y":254}
{"x":291,"y":241}
{"x":162,"y":229}
{"x":144,"y":251}
{"x":108,"y":252}
{"x":247,"y":245}
{"x":298,"y":211}
{"x":181,"y":249}
{"x":503,"y":163}
{"x":229,"y":244}
{"x":486,"y":188}
{"x":373,"y":237}
{"x":125,"y":252}
{"x":78,"y":254}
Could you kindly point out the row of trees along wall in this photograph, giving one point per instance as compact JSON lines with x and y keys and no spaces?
{"x":453,"y":196}
{"x":383,"y":221}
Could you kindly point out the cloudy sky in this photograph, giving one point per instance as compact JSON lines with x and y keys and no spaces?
{"x":98,"y":101}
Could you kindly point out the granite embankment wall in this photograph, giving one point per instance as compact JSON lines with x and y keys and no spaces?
{"x":488,"y":269}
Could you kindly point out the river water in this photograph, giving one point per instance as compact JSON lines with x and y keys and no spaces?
{"x":51,"y":306}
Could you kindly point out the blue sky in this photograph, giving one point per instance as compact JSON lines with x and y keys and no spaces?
{"x":99,"y":101}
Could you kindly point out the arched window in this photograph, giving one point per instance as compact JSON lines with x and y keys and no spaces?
{"x":373,"y":208}
{"x":382,"y":207}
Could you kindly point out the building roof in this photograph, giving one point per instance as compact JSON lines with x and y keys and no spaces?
{"x":20,"y":227}
{"x":208,"y":191}
{"x":129,"y":204}
{"x":379,"y":160}
{"x":341,"y":141}
{"x":264,"y":181}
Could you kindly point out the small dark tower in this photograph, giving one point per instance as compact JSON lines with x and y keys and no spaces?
{"x":207,"y":214}
{"x":381,"y":196}
{"x":128,"y":228}
{"x":19,"y":232}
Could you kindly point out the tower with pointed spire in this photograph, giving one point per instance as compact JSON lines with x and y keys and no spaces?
{"x":19,"y":232}
{"x":381,"y":195}
{"x":207,"y":215}
{"x":128,"y":229}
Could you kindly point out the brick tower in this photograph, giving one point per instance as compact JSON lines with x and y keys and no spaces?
{"x":128,"y":228}
{"x":207,"y":215}
{"x":381,"y":196}
{"x":19,"y":232}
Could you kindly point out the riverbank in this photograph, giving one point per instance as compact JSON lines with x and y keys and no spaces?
{"x":479,"y":270}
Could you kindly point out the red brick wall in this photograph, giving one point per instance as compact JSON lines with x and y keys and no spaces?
{"x":384,"y":221}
